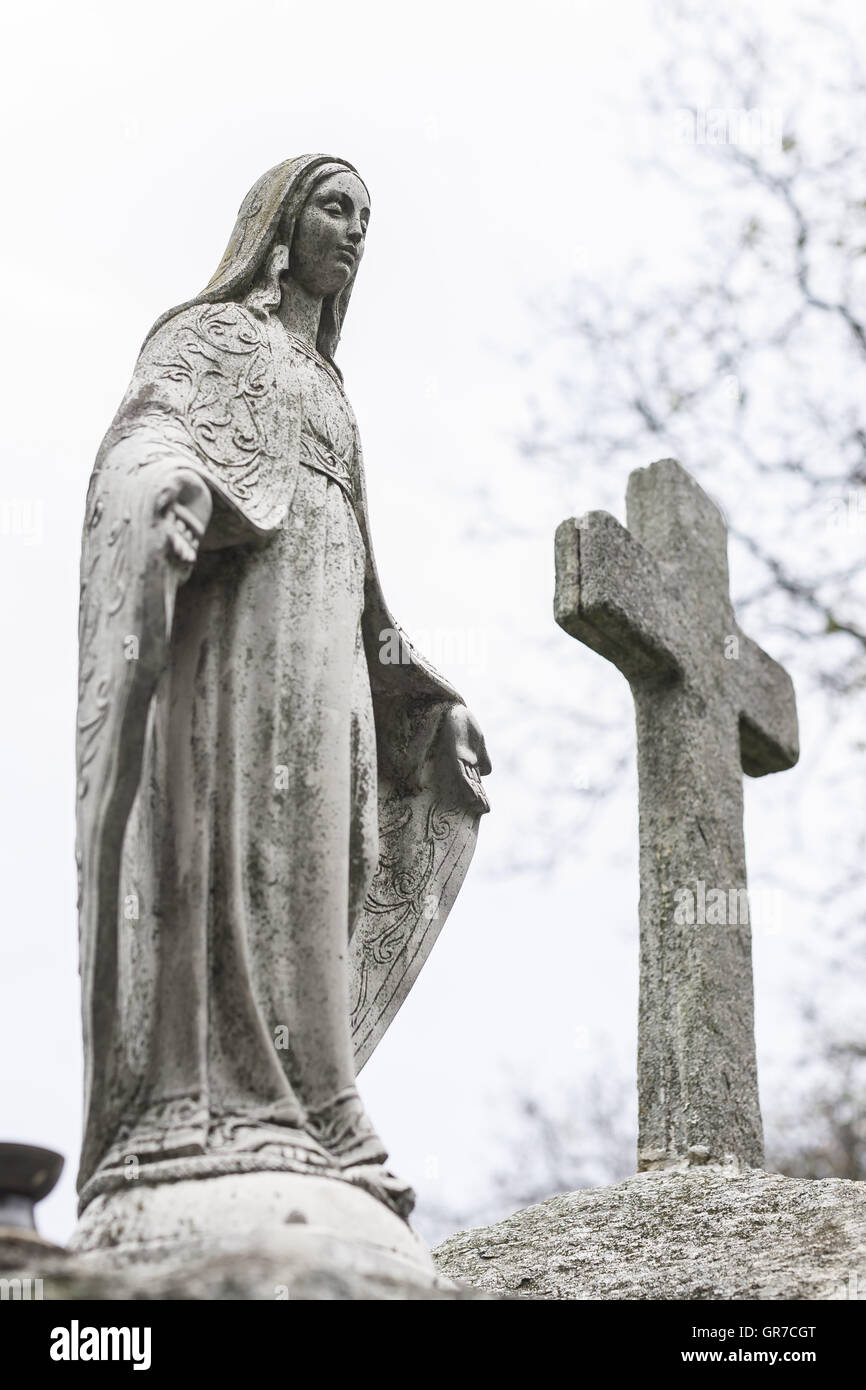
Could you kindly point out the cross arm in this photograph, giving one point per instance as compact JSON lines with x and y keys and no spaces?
{"x":611,"y":595}
{"x":769,"y":739}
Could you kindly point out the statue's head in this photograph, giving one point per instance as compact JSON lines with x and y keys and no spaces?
{"x":306,"y":217}
{"x":327,"y":240}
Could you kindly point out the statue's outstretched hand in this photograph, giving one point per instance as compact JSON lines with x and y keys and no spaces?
{"x":184,"y":505}
{"x":465,"y":744}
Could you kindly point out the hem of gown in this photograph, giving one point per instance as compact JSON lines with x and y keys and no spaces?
{"x":299,"y":1160}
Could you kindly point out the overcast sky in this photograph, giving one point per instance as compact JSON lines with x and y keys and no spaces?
{"x":498,"y":142}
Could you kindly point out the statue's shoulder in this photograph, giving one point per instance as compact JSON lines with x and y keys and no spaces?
{"x":208,"y":329}
{"x":206,"y":382}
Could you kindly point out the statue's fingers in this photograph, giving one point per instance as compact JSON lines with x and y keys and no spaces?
{"x":182,"y":548}
{"x":189,"y":496}
{"x":190,"y":519}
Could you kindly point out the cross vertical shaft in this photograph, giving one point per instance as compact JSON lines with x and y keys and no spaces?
{"x":709,"y":705}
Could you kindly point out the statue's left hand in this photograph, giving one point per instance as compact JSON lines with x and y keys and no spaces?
{"x":465,"y":744}
{"x":183,"y":506}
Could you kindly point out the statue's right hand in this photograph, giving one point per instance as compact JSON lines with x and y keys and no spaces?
{"x":184,"y":506}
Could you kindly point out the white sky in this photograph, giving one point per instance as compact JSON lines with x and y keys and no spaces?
{"x":497,"y":143}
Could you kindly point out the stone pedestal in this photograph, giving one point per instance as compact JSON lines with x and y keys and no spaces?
{"x":709,"y":1232}
{"x":250,"y":1236}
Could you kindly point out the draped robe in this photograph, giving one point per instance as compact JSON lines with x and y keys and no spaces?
{"x":260,"y":742}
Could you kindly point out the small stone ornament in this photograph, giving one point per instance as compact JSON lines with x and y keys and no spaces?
{"x":27,"y":1175}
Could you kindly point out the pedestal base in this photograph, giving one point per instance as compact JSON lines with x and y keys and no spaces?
{"x":255,"y":1236}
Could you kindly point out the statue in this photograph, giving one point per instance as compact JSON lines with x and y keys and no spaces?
{"x":278,"y":798}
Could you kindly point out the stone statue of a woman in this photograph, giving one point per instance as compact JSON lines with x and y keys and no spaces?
{"x":278,"y":797}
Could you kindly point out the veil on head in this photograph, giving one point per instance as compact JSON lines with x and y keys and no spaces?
{"x":256,"y":255}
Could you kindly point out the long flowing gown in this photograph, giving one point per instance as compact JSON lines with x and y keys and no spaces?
{"x":277,"y":783}
{"x":264,"y":717}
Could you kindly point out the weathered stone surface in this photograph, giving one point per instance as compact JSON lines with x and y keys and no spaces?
{"x":710,"y":705}
{"x":696,"y":1233}
{"x":314,"y":1267}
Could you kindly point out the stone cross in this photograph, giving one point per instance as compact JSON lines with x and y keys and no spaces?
{"x":710,"y":704}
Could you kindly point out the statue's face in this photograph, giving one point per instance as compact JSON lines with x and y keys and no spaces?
{"x":329,"y":235}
